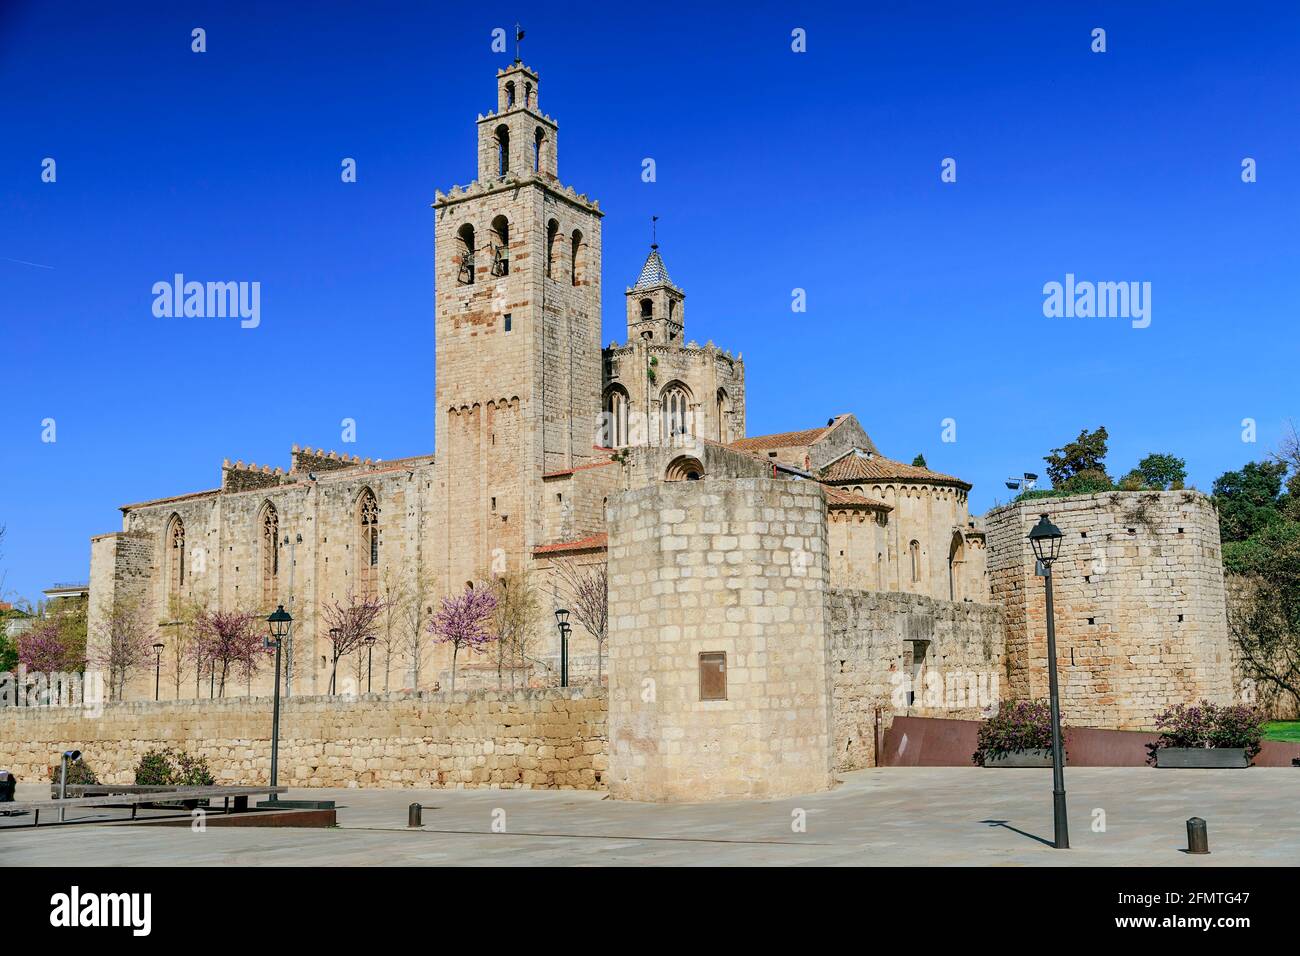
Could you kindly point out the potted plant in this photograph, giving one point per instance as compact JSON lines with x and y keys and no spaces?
{"x":1018,"y":735}
{"x":1207,"y":736}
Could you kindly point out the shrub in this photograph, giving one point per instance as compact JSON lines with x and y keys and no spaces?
{"x":172,"y":768}
{"x":80,"y":773}
{"x":1018,"y":725}
{"x":1209,"y":725}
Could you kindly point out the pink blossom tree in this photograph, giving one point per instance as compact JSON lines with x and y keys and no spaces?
{"x":44,"y":649}
{"x":229,"y":641}
{"x":461,"y":621}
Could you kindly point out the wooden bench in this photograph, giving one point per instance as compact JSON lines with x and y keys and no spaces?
{"x":134,"y":797}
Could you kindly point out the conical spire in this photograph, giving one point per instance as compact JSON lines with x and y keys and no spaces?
{"x":654,"y":272}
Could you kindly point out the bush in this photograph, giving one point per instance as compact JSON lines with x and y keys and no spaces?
{"x":1209,"y":725}
{"x":79,"y":773}
{"x":172,"y":768}
{"x":1018,"y":725}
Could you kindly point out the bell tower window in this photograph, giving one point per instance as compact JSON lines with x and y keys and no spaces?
{"x":503,"y":150}
{"x":465,"y":253}
{"x":576,"y":258}
{"x":539,"y":147}
{"x":647,"y":308}
{"x":510,"y":94}
{"x":552,"y":232}
{"x":500,"y":246}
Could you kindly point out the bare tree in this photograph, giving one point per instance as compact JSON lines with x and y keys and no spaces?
{"x":349,"y":622}
{"x":514,"y":620}
{"x":125,"y":645}
{"x":588,"y":587}
{"x":397,"y":595}
{"x":412,"y":621}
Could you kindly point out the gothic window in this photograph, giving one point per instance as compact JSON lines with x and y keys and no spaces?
{"x":552,"y":232}
{"x":614,"y":431}
{"x":576,"y":254}
{"x":914,"y":549}
{"x":465,"y":239}
{"x":724,"y":406}
{"x":503,"y":150}
{"x":647,"y":308}
{"x":676,"y":405}
{"x":368,"y":545}
{"x":175,"y":541}
{"x":500,"y":246}
{"x":539,"y":148}
{"x":270,"y":547}
{"x":510,"y":94}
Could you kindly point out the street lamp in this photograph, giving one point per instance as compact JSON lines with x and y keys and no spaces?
{"x":370,"y":659}
{"x":1046,"y":540}
{"x":279,"y":623}
{"x":562,"y":619}
{"x":334,"y":642}
{"x":157,"y":667}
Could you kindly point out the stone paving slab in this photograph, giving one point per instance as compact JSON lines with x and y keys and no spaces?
{"x":889,"y":816}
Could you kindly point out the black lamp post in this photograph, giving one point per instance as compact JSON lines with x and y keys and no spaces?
{"x":279,"y":624}
{"x":562,"y":619}
{"x":1046,"y":540}
{"x":157,"y":667}
{"x":370,"y":659}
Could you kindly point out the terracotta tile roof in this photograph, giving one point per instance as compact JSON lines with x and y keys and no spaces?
{"x":856,"y":467}
{"x":840,"y":498}
{"x":593,"y":542}
{"x":780,"y":440}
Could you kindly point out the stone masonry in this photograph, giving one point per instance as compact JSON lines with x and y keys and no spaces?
{"x":1140,"y":606}
{"x":736,"y":569}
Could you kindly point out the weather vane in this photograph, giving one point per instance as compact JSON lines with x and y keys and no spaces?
{"x":654,"y":241}
{"x":519,"y":35}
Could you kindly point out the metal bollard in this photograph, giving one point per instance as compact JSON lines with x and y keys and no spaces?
{"x":1198,"y":840}
{"x":413,"y":815}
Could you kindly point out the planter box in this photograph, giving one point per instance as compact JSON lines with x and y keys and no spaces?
{"x":1202,"y":758}
{"x":1023,"y":758}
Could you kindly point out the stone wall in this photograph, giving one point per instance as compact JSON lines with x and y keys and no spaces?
{"x":908,"y":655}
{"x":728,"y":567}
{"x":1141,"y":620}
{"x":533,"y":739}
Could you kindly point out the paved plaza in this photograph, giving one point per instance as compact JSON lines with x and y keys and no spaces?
{"x":889,"y":816}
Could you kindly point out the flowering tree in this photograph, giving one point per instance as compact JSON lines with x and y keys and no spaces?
{"x":124,"y":645}
{"x":226,"y":641}
{"x":589,"y":590}
{"x":44,"y":649}
{"x":350,"y":622}
{"x":461,"y":621}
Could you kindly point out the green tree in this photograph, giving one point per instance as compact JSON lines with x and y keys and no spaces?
{"x":919,"y":462}
{"x":1156,"y":472}
{"x":1249,"y":500}
{"x":1079,"y":466}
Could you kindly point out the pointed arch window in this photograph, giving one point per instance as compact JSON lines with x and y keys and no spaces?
{"x":552,"y":233}
{"x":175,"y":556}
{"x":676,"y":405}
{"x":368,"y":544}
{"x":270,"y":552}
{"x":724,"y":409}
{"x":510,"y":94}
{"x":539,"y":149}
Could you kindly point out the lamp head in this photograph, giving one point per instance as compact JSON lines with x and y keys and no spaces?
{"x":278,"y":622}
{"x":562,"y":616}
{"x":1046,"y":540}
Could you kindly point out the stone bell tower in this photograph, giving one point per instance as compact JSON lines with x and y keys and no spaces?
{"x":517,"y":262}
{"x":656,"y":309}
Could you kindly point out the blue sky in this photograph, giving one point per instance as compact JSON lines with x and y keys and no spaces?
{"x":775,"y":171}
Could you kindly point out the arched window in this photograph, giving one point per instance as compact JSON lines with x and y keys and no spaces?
{"x":672,"y":310}
{"x":552,"y":232}
{"x":270,"y":552}
{"x":676,"y":416}
{"x":465,"y":252}
{"x":368,"y":544}
{"x":576,"y":256}
{"x":510,"y":94}
{"x":175,"y":541}
{"x":647,"y":308}
{"x":914,"y":549}
{"x":503,"y":150}
{"x":724,"y":408}
{"x":529,"y":101}
{"x":500,"y":246}
{"x":614,"y":431}
{"x":539,"y":148}
{"x":956,"y":557}
{"x":684,"y":469}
